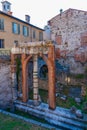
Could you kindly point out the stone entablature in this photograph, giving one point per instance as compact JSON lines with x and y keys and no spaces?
{"x":5,"y":52}
{"x":32,"y":48}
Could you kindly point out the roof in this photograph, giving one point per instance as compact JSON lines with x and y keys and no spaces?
{"x":6,"y":2}
{"x":1,"y":12}
{"x":68,"y":11}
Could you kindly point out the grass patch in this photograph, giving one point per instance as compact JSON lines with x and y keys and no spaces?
{"x":10,"y":123}
{"x":21,"y":113}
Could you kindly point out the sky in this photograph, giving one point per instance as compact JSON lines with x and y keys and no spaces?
{"x":42,"y":11}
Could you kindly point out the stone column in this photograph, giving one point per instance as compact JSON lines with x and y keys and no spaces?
{"x":13,"y":76}
{"x":51,"y":77}
{"x":35,"y":79}
{"x":24,"y":79}
{"x":25,"y":89}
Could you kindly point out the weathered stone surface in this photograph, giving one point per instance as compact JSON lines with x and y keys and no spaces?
{"x":69,"y":33}
{"x":5,"y":85}
{"x":64,"y":97}
{"x":78,"y":100}
{"x":79,"y":114}
{"x":73,"y":109}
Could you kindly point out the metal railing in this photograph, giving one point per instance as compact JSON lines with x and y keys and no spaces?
{"x":5,"y":52}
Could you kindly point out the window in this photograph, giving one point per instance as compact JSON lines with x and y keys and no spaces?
{"x":16,"y":28}
{"x":1,"y":24}
{"x":34,"y":34}
{"x":16,"y":43}
{"x":40,"y":36}
{"x":8,"y":7}
{"x":4,"y":7}
{"x":1,"y":43}
{"x":25,"y":31}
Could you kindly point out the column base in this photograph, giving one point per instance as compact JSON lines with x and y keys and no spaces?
{"x":52,"y":108}
{"x":36,"y":103}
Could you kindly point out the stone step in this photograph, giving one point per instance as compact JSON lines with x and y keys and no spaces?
{"x":69,"y":122}
{"x":65,"y":126}
{"x":63,"y":112}
{"x":59,"y":117}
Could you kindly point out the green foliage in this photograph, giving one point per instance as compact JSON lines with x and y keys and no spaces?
{"x":18,"y":63}
{"x":42,"y":93}
{"x":79,"y":76}
{"x":66,"y":104}
{"x":30,"y":116}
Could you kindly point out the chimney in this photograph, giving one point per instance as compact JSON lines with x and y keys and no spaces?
{"x":27,"y":18}
{"x":9,"y":12}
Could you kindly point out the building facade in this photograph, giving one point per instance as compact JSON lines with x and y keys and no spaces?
{"x":69,"y":33}
{"x":14,"y":30}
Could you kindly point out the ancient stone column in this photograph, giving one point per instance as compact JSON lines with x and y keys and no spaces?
{"x":35,"y":79}
{"x":24,"y":79}
{"x":13,"y":76}
{"x":25,"y":89}
{"x":51,"y":77}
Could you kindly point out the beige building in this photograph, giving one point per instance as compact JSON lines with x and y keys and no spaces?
{"x":14,"y":30}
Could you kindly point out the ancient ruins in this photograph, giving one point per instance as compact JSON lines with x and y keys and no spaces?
{"x":33,"y":50}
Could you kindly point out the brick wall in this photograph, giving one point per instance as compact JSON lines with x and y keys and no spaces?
{"x":69,"y":31}
{"x":70,"y":25}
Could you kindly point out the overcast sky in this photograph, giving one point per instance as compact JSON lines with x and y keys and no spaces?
{"x":42,"y":11}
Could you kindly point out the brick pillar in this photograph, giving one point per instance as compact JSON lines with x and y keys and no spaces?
{"x":25,"y":90}
{"x":13,"y":76}
{"x":35,"y":79}
{"x":51,"y":77}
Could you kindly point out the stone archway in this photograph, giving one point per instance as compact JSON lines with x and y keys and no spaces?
{"x":46,"y":50}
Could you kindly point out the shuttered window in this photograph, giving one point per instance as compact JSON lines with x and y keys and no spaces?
{"x":25,"y":31}
{"x":34,"y":34}
{"x":16,"y":28}
{"x":1,"y":43}
{"x":1,"y":24}
{"x":40,"y":36}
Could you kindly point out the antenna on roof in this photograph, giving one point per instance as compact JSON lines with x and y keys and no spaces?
{"x":61,"y":10}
